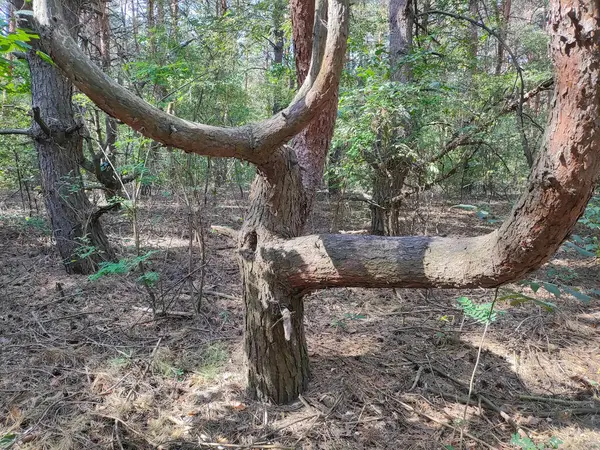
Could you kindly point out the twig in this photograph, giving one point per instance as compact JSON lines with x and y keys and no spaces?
{"x":419,"y":372}
{"x":117,"y":437}
{"x":221,"y":294}
{"x":248,"y":446}
{"x":472,"y":381}
{"x":568,"y":412}
{"x":146,"y":369}
{"x":559,"y":401}
{"x":126,"y":425}
{"x":433,"y":419}
{"x":164,"y":313}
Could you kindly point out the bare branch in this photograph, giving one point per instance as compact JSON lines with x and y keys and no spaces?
{"x":21,"y":131}
{"x":38,"y":119}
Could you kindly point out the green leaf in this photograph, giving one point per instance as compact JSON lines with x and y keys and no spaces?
{"x":552,"y":288}
{"x":45,"y":57}
{"x":577,"y":294}
{"x":7,"y":440}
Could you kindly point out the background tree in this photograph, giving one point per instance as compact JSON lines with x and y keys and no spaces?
{"x":75,"y":222}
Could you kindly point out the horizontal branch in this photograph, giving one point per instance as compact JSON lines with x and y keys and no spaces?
{"x":255,"y":143}
{"x":545,"y":85}
{"x":316,"y":262}
{"x":20,"y":131}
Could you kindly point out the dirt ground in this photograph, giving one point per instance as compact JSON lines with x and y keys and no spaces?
{"x":85,"y":364}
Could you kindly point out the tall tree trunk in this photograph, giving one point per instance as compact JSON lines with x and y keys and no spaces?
{"x":473,"y":35}
{"x":275,"y":344}
{"x":106,"y":174}
{"x":75,"y":225}
{"x":401,"y":36}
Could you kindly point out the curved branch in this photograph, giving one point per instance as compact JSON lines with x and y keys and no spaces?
{"x":564,"y":176}
{"x":254,"y":143}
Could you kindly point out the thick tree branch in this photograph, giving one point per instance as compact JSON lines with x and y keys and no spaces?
{"x":255,"y":143}
{"x":563,"y":178}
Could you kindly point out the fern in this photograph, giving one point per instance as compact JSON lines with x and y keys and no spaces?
{"x":122,"y":267}
{"x":482,"y":313}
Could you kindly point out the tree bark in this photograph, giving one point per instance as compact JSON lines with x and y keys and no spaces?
{"x":388,"y":181}
{"x":276,"y":354}
{"x":58,"y":142}
{"x":503,"y":17}
{"x":277,"y":357}
{"x":401,"y":36}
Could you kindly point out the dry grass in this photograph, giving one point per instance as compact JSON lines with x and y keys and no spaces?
{"x":85,"y":365}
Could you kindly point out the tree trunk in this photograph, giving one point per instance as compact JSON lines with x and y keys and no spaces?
{"x":275,"y":344}
{"x":503,"y":17}
{"x":277,"y":358}
{"x":388,"y":182}
{"x":473,"y":35}
{"x":76,"y":228}
{"x":389,"y":168}
{"x":79,"y":237}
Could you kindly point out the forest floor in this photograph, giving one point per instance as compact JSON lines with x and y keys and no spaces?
{"x":85,"y":364}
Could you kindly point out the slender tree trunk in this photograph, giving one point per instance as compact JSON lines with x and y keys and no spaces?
{"x":401,"y":36}
{"x":473,"y":34}
{"x":503,"y":17}
{"x":278,"y":44}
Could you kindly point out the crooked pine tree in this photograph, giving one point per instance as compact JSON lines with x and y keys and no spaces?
{"x":279,"y":265}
